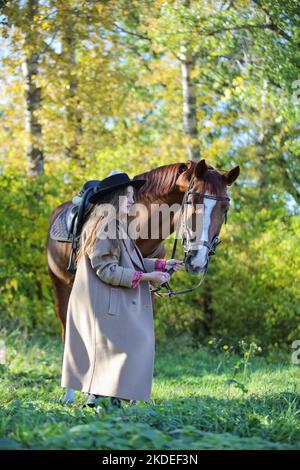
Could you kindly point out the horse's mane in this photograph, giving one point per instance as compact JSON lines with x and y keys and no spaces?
{"x":161,"y":181}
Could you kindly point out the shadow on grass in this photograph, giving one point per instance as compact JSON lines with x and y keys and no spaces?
{"x":32,"y":378}
{"x":202,"y":422}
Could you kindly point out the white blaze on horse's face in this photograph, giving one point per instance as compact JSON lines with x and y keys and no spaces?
{"x":199,"y":261}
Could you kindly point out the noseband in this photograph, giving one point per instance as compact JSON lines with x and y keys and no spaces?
{"x":215,"y":242}
{"x":185,"y":243}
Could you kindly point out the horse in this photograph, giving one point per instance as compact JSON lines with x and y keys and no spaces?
{"x":168,"y":185}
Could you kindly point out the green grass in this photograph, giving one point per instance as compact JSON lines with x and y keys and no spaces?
{"x":200,"y":400}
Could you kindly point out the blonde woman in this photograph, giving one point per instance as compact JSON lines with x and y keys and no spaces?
{"x":109,"y":346}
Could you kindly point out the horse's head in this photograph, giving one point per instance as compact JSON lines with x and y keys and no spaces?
{"x":205,"y":207}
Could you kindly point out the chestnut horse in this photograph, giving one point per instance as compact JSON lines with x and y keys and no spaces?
{"x":164,"y":185}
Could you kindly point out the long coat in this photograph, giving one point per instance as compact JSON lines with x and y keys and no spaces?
{"x":110,"y":344}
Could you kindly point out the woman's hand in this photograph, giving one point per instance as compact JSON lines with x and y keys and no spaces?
{"x":156,"y":276}
{"x":175,"y":264}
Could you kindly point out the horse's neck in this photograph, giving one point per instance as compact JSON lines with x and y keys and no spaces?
{"x":154,"y":248}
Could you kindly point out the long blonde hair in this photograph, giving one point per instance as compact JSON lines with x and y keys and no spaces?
{"x":97,"y":221}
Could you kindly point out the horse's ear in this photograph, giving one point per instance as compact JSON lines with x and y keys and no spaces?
{"x":200,"y":169}
{"x":183,"y":167}
{"x":184,"y":173}
{"x":231,"y":175}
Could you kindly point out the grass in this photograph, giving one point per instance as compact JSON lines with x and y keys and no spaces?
{"x":201,"y":399}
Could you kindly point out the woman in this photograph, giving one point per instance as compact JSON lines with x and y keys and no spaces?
{"x":109,"y":346}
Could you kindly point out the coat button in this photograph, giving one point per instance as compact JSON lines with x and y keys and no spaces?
{"x":134,"y":302}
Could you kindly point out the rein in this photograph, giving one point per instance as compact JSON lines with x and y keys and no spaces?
{"x":211,"y":246}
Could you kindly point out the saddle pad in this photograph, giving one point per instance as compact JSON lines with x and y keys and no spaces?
{"x":59,"y":229}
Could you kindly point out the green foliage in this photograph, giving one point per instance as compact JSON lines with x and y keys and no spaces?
{"x":26,"y":295}
{"x":111,"y":97}
{"x":195,"y":404}
{"x":250,"y":290}
{"x":253,"y":283}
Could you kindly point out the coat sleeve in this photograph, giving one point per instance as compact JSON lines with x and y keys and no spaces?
{"x":149,"y":264}
{"x":105,"y":262}
{"x":155,"y":264}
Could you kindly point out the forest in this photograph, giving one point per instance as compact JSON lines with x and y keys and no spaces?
{"x":90,"y":86}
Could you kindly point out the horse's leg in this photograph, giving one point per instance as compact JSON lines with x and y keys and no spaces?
{"x":61,"y":305}
{"x":62,"y":294}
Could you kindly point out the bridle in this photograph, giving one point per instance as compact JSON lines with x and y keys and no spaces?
{"x":211,"y":246}
{"x":185,"y":243}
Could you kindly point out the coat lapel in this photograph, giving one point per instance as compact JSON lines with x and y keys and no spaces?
{"x":132,"y":249}
{"x":133,"y":254}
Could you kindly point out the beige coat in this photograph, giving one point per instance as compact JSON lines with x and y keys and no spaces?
{"x":109,"y":346}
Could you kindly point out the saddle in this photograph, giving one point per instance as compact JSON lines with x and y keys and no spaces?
{"x":67,"y":227}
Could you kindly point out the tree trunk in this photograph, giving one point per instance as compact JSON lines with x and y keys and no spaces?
{"x":189,"y":104}
{"x":32,"y":98}
{"x":262,"y":147}
{"x":73,"y":112}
